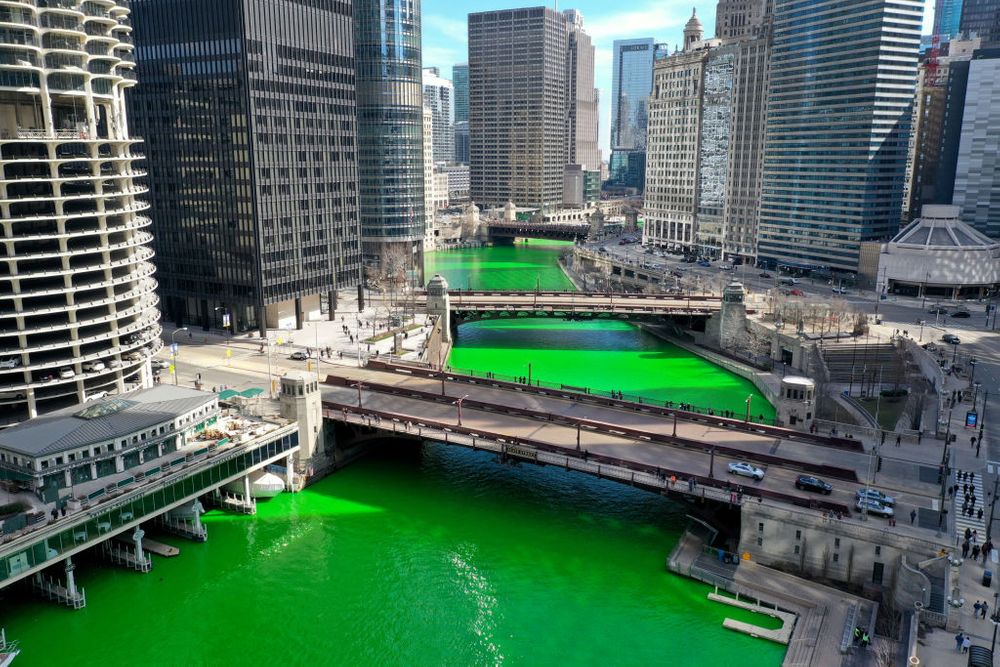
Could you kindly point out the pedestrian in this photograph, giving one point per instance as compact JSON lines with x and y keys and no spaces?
{"x":913,"y":516}
{"x":972,"y":478}
{"x":965,"y":489}
{"x":978,"y":606}
{"x":920,"y":436}
{"x":983,"y":609}
{"x":899,"y":439}
{"x":975,"y":537}
{"x":966,"y":643}
{"x":865,"y":639}
{"x":857,"y":634}
{"x":958,"y":641}
{"x":975,"y":552}
{"x":968,"y":533}
{"x":965,"y":548}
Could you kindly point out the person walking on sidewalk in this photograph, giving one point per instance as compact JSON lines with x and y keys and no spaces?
{"x":913,"y":516}
{"x":984,"y":607}
{"x":959,"y":638}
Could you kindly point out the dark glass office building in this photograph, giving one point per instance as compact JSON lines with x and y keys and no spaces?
{"x":982,"y":17}
{"x":248,"y":107}
{"x":390,"y":133}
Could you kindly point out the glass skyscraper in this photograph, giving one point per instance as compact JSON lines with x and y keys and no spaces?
{"x":947,"y":18}
{"x":248,"y":109}
{"x":460,"y":82}
{"x":390,"y":132}
{"x":982,"y":17}
{"x":840,"y":94}
{"x":631,"y":84}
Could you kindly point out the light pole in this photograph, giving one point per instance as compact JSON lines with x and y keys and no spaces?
{"x":226,"y":316}
{"x":749,"y":399}
{"x":270,"y":382}
{"x":972,"y":375}
{"x":173,"y":351}
{"x":995,"y":618}
{"x":921,"y":337}
{"x":975,"y":393}
{"x":459,"y":402}
{"x":982,"y":423}
{"x":578,"y":423}
{"x":954,"y":356}
{"x":359,"y":385}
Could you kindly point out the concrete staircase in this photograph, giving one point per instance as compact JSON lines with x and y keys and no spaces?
{"x":849,"y":362}
{"x":971,"y":522}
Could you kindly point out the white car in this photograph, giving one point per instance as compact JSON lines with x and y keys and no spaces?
{"x":96,"y":395}
{"x":873,"y":507}
{"x":10,"y":362}
{"x":746,"y":470}
{"x":114,"y":363}
{"x":66,"y":372}
{"x":92,"y":366}
{"x":11,"y":395}
{"x":159,"y":364}
{"x":877,"y":496}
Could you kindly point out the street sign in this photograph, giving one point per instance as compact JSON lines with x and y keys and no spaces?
{"x":225,"y":320}
{"x":971,"y":419}
{"x":173,"y":348}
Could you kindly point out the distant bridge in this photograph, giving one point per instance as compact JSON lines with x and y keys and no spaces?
{"x":539,"y":230}
{"x":474,"y":305}
{"x":640,"y":444}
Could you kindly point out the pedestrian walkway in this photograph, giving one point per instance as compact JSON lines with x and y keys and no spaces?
{"x":969,"y":506}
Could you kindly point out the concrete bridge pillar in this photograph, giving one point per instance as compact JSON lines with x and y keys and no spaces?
{"x":137,"y":538}
{"x":70,"y":579}
{"x":246,"y":488}
{"x":438,"y":303}
{"x":289,"y":473}
{"x":196,"y":511}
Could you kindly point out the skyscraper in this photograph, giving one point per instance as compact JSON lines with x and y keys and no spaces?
{"x":253,"y":178}
{"x":977,"y":174}
{"x":582,"y":99}
{"x":737,"y":20}
{"x":631,"y":84}
{"x":390,"y":130}
{"x":836,"y":150}
{"x":672,"y":157}
{"x":982,"y":18}
{"x":439,"y":97}
{"x":947,"y":18}
{"x":460,"y":82}
{"x":518,"y":106}
{"x":461,"y":142}
{"x":77,"y":305}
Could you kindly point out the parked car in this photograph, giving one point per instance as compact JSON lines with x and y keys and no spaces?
{"x":97,"y":395}
{"x":961,"y":313}
{"x":938,"y":310}
{"x":114,"y":363}
{"x":92,"y":366}
{"x":810,"y":483}
{"x":159,"y":364}
{"x":789,"y":281}
{"x":704,"y":263}
{"x":746,"y":470}
{"x":12,"y":395}
{"x":298,"y":355}
{"x":877,"y":496}
{"x":840,"y":290}
{"x":10,"y":362}
{"x":726,"y":267}
{"x":132,"y":356}
{"x":765,"y":274}
{"x":951,"y":339}
{"x":796,"y":292}
{"x":66,"y":372}
{"x":873,"y":507}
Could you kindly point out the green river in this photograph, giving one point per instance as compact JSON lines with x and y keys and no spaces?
{"x":439,"y":556}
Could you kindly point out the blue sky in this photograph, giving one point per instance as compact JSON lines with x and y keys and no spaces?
{"x":445,"y":30}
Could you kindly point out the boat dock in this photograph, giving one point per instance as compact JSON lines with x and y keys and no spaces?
{"x":782,"y":635}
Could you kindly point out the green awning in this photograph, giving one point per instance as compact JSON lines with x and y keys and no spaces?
{"x":228,"y":394}
{"x":252,"y":392}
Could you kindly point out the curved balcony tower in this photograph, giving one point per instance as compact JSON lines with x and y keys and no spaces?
{"x":78,"y":310}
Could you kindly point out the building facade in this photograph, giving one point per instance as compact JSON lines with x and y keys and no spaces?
{"x":947,"y":19}
{"x":518,"y":106}
{"x":429,"y":194}
{"x":631,"y":84}
{"x":78,"y":311}
{"x":254,"y":184}
{"x":390,"y":128}
{"x":714,"y":148}
{"x":937,"y":126}
{"x":981,"y":18}
{"x":460,"y":84}
{"x":582,"y":98}
{"x":836,"y":151}
{"x":977,"y":172}
{"x":461,"y":132}
{"x":738,"y":20}
{"x":439,"y":97}
{"x":672,"y":150}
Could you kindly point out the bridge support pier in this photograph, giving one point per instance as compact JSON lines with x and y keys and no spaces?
{"x":289,"y":473}
{"x":439,"y":304}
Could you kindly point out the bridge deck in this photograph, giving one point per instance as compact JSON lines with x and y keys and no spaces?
{"x":583,"y":302}
{"x":622,"y":433}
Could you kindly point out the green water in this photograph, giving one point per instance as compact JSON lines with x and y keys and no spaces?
{"x":602,"y":355}
{"x":432,"y":556}
{"x":444,"y":558}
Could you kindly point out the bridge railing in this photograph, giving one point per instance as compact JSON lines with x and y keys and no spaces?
{"x":686,"y":411}
{"x":661,"y":478}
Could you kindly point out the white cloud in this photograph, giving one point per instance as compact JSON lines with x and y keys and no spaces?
{"x":456,"y":29}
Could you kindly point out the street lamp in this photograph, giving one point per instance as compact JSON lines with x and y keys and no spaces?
{"x":359,"y":385}
{"x":921,"y":336}
{"x":226,"y":316}
{"x":749,"y":398}
{"x":579,"y":422}
{"x":173,"y":350}
{"x":459,"y":402}
{"x":972,"y":374}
